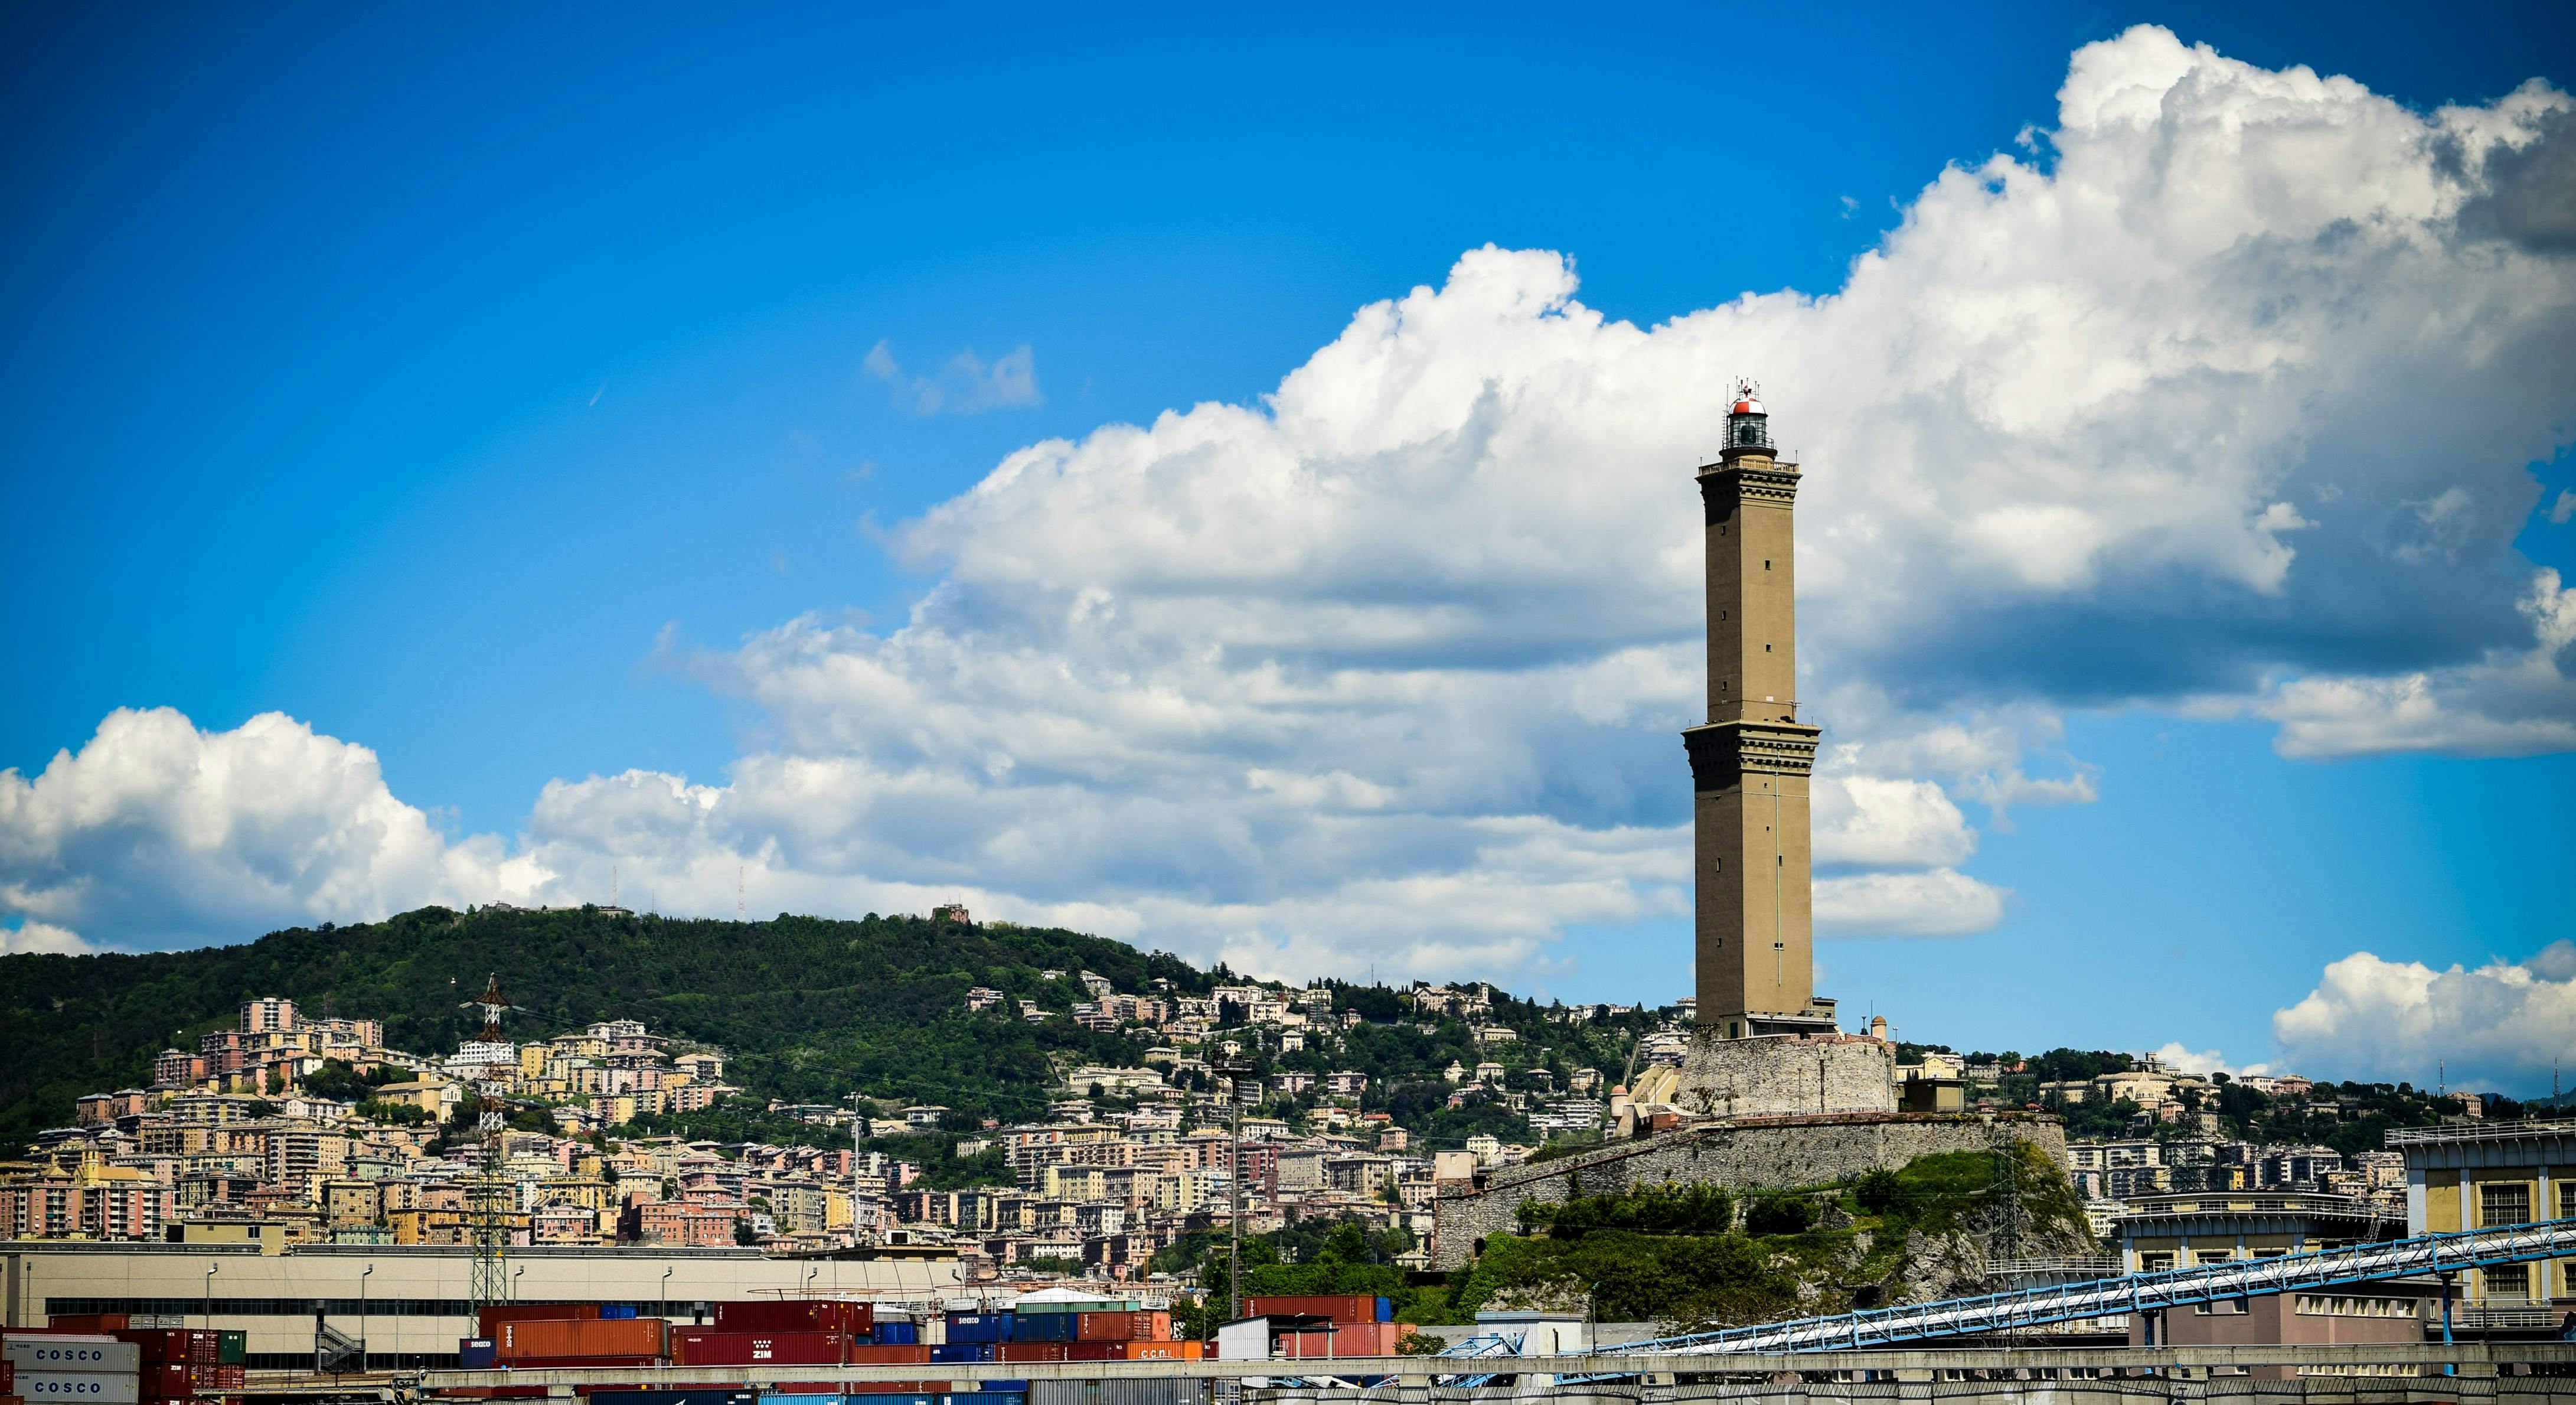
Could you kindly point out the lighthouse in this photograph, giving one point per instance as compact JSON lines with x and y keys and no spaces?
{"x":1752,"y":760}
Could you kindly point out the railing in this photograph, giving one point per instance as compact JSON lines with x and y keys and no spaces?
{"x":2086,"y":1265}
{"x":2484,"y":1316}
{"x":2481,"y":1132}
{"x":2144,"y":1292}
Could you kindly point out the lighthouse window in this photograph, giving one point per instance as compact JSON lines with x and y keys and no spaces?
{"x":1766,"y":565}
{"x":1766,"y":648}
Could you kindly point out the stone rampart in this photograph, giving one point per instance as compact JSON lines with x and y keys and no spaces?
{"x":1785,"y":1076}
{"x":1748,"y":1152}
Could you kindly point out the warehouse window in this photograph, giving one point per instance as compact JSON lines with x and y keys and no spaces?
{"x":2504,"y":1204}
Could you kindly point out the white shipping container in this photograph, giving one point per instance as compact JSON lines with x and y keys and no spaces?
{"x":74,"y":1354}
{"x":90,"y":1387}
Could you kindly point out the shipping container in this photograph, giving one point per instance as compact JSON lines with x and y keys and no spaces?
{"x":488,"y":1320}
{"x":895,"y":1333}
{"x":476,"y":1354}
{"x":1156,"y":1391}
{"x":713,"y":1396}
{"x":1031,"y":1351}
{"x":962,"y":1352}
{"x":1045,"y":1326}
{"x":1165,"y":1351}
{"x":1345,"y":1339}
{"x":1340,"y":1307}
{"x":889,"y":1355}
{"x":979,"y":1326}
{"x":91,"y":1387}
{"x":544,"y":1339}
{"x":708,"y":1346}
{"x":1123,"y":1327}
{"x":796,"y":1315}
{"x":90,"y":1322}
{"x":194,"y":1347}
{"x":617,"y":1312}
{"x":66,"y":1353}
{"x":232,"y":1348}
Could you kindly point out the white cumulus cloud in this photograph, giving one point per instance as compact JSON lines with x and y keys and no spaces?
{"x":157,"y":834}
{"x":2501,"y":1025}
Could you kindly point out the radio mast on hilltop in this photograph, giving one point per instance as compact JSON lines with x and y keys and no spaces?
{"x":487,"y":1199}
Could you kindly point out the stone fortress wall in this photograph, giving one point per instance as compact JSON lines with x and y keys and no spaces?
{"x":1750,"y":1152}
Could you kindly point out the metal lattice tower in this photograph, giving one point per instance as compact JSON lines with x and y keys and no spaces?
{"x":2003,"y":1190}
{"x":487,"y":1198}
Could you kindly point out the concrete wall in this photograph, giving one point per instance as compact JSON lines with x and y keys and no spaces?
{"x":1754,"y":1152}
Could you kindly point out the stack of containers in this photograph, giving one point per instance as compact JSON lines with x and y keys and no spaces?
{"x":68,"y":1366}
{"x":973,"y":1336}
{"x":801,"y":1332}
{"x":183,"y":1364}
{"x":1351,"y":1324}
{"x":1128,"y":1334}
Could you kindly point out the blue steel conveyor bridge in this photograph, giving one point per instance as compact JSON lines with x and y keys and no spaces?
{"x":2136,"y":1293}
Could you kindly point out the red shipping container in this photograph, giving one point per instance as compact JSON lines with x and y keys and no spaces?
{"x":87,"y":1321}
{"x":547,"y":1338}
{"x":488,"y":1320}
{"x":160,"y":1344}
{"x":889,"y":1355}
{"x":1346,"y":1339}
{"x":1164,"y":1351}
{"x":1095,"y":1351}
{"x":1340,"y":1307}
{"x":796,"y":1315}
{"x":707,"y":1346}
{"x":1123,"y":1327}
{"x":1032,"y":1351}
{"x":177,"y":1380}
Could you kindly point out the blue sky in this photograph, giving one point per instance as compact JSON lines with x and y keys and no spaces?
{"x":470,"y":389}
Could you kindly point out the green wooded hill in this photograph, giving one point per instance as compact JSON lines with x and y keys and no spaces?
{"x":809,"y":1009}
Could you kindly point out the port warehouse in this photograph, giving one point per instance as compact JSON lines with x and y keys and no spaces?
{"x":410,"y":1303}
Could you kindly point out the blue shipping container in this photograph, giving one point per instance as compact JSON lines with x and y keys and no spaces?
{"x":1005,"y":1387}
{"x":616,"y":1312}
{"x":898,"y":1334}
{"x":475,"y":1354}
{"x":1386,"y":1309}
{"x":979,"y":1326}
{"x":956,"y":1353}
{"x":1044,"y":1327}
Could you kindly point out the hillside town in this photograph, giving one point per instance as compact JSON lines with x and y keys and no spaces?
{"x":303,"y":1128}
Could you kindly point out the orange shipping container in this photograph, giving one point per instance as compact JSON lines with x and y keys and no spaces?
{"x":1123,"y":1327}
{"x":1165,"y":1351}
{"x":617,"y":1336}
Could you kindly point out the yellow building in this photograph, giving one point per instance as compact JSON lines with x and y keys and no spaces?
{"x":2487,"y":1175}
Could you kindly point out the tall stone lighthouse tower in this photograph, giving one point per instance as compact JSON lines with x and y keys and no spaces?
{"x":1751,"y":761}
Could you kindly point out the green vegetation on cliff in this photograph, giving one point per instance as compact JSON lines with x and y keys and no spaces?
{"x":1919,"y":1232}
